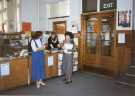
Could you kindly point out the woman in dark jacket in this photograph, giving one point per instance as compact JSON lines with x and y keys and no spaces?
{"x":53,"y":41}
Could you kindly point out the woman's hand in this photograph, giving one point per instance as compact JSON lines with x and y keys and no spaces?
{"x":61,"y":51}
{"x":40,"y":49}
{"x":61,"y":45}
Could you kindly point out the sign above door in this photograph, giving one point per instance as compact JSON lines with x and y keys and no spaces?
{"x":107,"y":5}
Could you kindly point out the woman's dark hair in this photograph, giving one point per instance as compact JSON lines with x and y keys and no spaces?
{"x":70,"y":34}
{"x":55,"y":35}
{"x":36,"y":35}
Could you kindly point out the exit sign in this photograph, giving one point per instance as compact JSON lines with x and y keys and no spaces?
{"x":107,"y":4}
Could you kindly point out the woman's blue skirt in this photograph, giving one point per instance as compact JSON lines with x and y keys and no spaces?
{"x":38,"y":65}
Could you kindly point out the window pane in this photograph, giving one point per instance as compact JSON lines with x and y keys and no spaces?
{"x":4,"y":16}
{"x":0,"y":5}
{"x":6,"y":27}
{"x":18,"y":2}
{"x":91,"y":42}
{"x":0,"y":19}
{"x":4,"y":3}
{"x":107,"y":35}
{"x":18,"y":16}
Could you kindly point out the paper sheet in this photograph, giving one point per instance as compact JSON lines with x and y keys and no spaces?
{"x":121,"y":38}
{"x":4,"y":69}
{"x":107,"y":36}
{"x":76,"y":41}
{"x":50,"y":60}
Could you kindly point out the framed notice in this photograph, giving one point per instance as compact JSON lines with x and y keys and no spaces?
{"x":4,"y":69}
{"x":26,"y":27}
{"x":107,"y":36}
{"x":121,"y":38}
{"x":50,"y":60}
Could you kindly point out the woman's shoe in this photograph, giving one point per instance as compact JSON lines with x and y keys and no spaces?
{"x":38,"y":85}
{"x":68,"y":82}
{"x":64,"y":79}
{"x":42,"y":83}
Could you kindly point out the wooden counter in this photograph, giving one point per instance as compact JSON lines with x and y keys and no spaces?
{"x":18,"y":74}
{"x":51,"y":71}
{"x":20,"y":68}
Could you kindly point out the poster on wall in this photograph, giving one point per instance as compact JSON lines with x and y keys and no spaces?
{"x":4,"y":69}
{"x":124,"y":19}
{"x":26,"y":27}
{"x":121,"y":38}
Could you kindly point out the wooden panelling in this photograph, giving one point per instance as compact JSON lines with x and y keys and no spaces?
{"x":119,"y":58}
{"x":98,"y":70}
{"x":133,"y":46}
{"x":51,"y":71}
{"x":21,"y":70}
{"x":18,"y":74}
{"x":91,"y":60}
{"x":122,"y":60}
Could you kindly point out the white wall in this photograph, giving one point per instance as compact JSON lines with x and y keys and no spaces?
{"x":11,"y":15}
{"x":59,"y":9}
{"x":29,"y":12}
{"x":43,"y":23}
{"x":50,"y":22}
{"x":123,"y":5}
{"x":74,"y":13}
{"x":37,"y":12}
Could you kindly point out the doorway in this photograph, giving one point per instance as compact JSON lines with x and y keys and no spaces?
{"x":59,"y":27}
{"x":98,"y":42}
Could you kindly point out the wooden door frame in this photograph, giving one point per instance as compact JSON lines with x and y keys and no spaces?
{"x":105,"y":70}
{"x":113,"y":13}
{"x":60,"y":22}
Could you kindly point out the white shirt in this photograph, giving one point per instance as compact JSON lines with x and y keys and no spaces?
{"x":39,"y":44}
{"x":68,"y":46}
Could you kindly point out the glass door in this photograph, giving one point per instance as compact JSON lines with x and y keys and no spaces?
{"x":91,"y":35}
{"x":106,"y":34}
